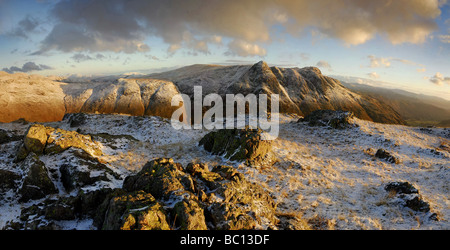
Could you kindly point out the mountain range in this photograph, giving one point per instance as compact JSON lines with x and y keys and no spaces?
{"x":415,"y":109}
{"x":301,"y":91}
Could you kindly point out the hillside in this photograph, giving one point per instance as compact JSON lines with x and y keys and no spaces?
{"x":323,"y":178}
{"x":417,"y":110}
{"x":301,"y":90}
{"x":45,"y":99}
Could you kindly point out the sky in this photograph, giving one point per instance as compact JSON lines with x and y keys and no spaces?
{"x":391,"y":43}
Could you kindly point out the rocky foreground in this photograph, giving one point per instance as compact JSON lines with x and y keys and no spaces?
{"x":328,"y":170}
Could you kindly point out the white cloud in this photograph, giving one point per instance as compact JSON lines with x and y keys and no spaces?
{"x":376,"y":62}
{"x":386,"y":62}
{"x":439,"y":79}
{"x":421,"y":70}
{"x":244,"y":49}
{"x":444,"y":38}
{"x":324,"y":64}
{"x":373,"y":75}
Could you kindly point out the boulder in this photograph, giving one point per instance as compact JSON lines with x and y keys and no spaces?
{"x":36,"y":138}
{"x":40,"y":139}
{"x":80,"y":169}
{"x":409,"y":197}
{"x":401,"y":188}
{"x":239,"y":145}
{"x":135,"y":211}
{"x":383,"y":154}
{"x":37,"y":183}
{"x":189,"y":215}
{"x":160,"y":177}
{"x":244,"y":204}
{"x":60,"y":140}
{"x":331,"y":118}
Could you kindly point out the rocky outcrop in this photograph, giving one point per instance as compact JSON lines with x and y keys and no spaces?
{"x":331,"y":118}
{"x":79,"y":169}
{"x":195,"y":193}
{"x":40,"y":139}
{"x":408,"y":196}
{"x":135,"y":211}
{"x":37,"y":183}
{"x":239,"y":145}
{"x":162,"y":196}
{"x":383,"y":154}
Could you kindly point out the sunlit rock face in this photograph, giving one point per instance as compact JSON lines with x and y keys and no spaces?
{"x":46,"y":99}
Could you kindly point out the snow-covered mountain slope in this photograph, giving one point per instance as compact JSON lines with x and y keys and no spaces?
{"x":301,"y":90}
{"x":331,"y":177}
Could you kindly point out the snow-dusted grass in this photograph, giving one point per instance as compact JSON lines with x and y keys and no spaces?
{"x":331,"y":173}
{"x":330,"y":178}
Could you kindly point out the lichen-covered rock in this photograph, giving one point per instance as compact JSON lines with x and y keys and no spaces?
{"x":40,"y":139}
{"x":202,"y":199}
{"x":160,"y":177}
{"x":37,"y":183}
{"x":135,"y":211}
{"x":239,"y":145}
{"x":36,"y":138}
{"x":189,"y":215}
{"x":79,"y":169}
{"x":336,"y":119}
{"x":60,"y":140}
{"x":244,"y":204}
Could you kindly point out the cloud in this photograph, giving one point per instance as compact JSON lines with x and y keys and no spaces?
{"x":244,"y":49}
{"x":444,"y":38}
{"x":324,"y":64}
{"x":67,"y":37}
{"x":439,"y":79}
{"x":25,"y":26}
{"x":27,"y":67}
{"x":125,"y":25}
{"x":152,"y":57}
{"x":373,"y":75}
{"x":421,"y":70}
{"x":376,"y":62}
{"x":79,"y":57}
{"x":386,"y":62}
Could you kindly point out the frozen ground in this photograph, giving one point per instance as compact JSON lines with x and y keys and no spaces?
{"x":323,"y":174}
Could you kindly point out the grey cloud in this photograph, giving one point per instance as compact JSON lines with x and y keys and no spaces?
{"x":123,"y":26}
{"x":79,"y":57}
{"x":440,"y":79}
{"x":27,"y":67}
{"x":24,"y":27}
